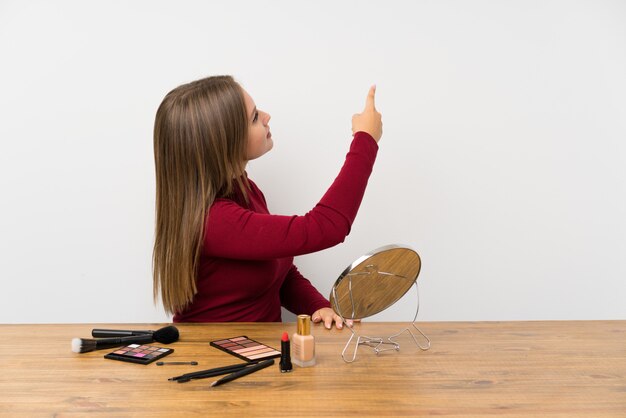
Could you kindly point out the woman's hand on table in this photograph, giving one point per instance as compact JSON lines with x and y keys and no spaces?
{"x":327,"y":316}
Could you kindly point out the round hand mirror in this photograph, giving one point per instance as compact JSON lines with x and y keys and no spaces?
{"x":375,"y":281}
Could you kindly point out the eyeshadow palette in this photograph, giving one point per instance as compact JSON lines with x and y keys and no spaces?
{"x":246,"y":348}
{"x":137,"y":353}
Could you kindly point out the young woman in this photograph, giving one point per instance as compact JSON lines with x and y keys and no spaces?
{"x":219,"y":255}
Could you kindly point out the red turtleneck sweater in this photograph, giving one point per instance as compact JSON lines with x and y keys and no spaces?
{"x":246,"y":270}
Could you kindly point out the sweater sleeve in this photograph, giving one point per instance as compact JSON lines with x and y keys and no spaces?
{"x":299,"y":296}
{"x":235,"y":232}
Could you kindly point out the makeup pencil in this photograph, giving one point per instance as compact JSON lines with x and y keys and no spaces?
{"x":243,"y":372}
{"x":210,"y":372}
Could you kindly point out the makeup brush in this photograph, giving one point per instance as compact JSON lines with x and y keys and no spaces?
{"x":164,"y":335}
{"x":107,"y":333}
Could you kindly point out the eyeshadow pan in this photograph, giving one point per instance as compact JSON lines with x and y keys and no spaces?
{"x":265,"y":355}
{"x":135,"y":353}
{"x":260,"y":351}
{"x":245,"y":348}
{"x":229,"y":345}
{"x":238,"y":338}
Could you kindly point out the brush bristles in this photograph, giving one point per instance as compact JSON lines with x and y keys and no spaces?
{"x":80,"y":345}
{"x":166,"y":335}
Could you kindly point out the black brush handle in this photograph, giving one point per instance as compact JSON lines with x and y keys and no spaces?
{"x":117,"y":341}
{"x":106,"y":333}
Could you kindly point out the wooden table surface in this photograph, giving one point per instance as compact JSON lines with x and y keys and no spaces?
{"x":511,"y":369}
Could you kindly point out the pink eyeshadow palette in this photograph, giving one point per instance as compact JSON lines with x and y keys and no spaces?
{"x":137,"y":353}
{"x":246,"y":348}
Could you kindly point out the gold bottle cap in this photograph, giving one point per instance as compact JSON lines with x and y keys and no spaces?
{"x":304,"y":324}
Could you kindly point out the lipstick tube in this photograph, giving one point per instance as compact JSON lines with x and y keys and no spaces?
{"x":285,"y":354}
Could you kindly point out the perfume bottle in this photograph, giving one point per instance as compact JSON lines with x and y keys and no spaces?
{"x":303,"y":343}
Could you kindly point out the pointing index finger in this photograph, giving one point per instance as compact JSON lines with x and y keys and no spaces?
{"x":370,"y":101}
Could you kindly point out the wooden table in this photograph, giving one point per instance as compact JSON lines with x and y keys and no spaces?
{"x":512,"y":369}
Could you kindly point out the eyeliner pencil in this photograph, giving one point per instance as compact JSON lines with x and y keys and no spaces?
{"x":243,"y":372}
{"x":211,"y":372}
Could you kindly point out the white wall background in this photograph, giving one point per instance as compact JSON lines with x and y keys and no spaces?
{"x":502,"y":161}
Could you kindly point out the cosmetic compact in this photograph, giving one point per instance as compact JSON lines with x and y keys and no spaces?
{"x":246,"y":348}
{"x":138,"y":353}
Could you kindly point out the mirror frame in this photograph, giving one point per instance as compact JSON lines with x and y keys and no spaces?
{"x":359,"y":262}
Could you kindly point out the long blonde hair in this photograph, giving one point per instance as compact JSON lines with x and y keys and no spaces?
{"x":200,"y":134}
